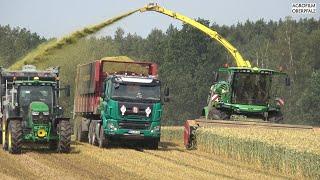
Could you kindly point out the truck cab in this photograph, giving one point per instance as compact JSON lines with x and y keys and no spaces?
{"x":132,"y":107}
{"x":118,"y":101}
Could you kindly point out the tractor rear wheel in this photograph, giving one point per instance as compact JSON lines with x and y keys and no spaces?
{"x":15,"y":137}
{"x":82,"y":136}
{"x":103,"y":141}
{"x":64,"y":142}
{"x":216,"y":114}
{"x":4,"y":136}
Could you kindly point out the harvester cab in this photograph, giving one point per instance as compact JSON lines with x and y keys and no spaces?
{"x":239,"y":92}
{"x":30,"y":108}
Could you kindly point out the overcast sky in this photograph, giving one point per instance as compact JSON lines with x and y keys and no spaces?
{"x":54,"y":18}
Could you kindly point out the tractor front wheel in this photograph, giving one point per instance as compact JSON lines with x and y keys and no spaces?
{"x":64,"y":131}
{"x":15,"y":137}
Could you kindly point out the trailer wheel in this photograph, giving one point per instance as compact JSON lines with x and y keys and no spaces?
{"x":15,"y":137}
{"x":64,"y":142}
{"x":215,"y":114}
{"x":103,"y":140}
{"x":82,"y":136}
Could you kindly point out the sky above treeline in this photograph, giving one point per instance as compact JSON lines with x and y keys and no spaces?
{"x":55,"y":18}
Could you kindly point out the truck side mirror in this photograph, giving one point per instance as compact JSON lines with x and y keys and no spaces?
{"x":67,"y":90}
{"x":215,"y":77}
{"x":288,"y":81}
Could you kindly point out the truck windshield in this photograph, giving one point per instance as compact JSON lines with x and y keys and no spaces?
{"x":252,"y":89}
{"x":28,"y":94}
{"x":137,"y":91}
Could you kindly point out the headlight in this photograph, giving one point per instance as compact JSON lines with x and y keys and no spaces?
{"x":156,"y":128}
{"x":46,"y":113}
{"x":34,"y":113}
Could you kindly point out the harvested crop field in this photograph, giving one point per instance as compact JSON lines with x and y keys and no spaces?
{"x":171,"y":161}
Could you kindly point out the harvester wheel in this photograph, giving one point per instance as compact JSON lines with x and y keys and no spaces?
{"x":103,"y":141}
{"x":64,"y":131}
{"x":15,"y":137}
{"x":276,"y":117}
{"x":82,"y":136}
{"x":216,"y":114}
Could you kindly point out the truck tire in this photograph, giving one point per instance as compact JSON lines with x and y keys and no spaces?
{"x":82,"y":136}
{"x":64,"y":142}
{"x":92,"y":134}
{"x":154,"y":144}
{"x":15,"y":137}
{"x":216,"y":114}
{"x":103,"y":141}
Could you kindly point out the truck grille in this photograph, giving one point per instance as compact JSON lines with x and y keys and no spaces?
{"x":134,"y":125}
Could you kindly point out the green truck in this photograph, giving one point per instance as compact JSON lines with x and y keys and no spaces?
{"x":116,"y":100}
{"x":30,"y":110}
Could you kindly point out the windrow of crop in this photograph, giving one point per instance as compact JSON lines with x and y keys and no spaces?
{"x":45,"y":49}
{"x":292,"y":152}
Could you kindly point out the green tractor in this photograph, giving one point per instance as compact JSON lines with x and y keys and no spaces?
{"x":245,"y":93}
{"x":30,"y":111}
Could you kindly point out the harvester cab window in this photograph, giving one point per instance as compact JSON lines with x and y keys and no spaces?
{"x":251,"y":88}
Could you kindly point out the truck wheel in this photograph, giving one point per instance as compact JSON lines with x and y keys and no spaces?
{"x":15,"y":137}
{"x":154,"y":144}
{"x":64,"y":142}
{"x":82,"y":136}
{"x":92,"y":134}
{"x":215,"y":114}
{"x":103,"y":140}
